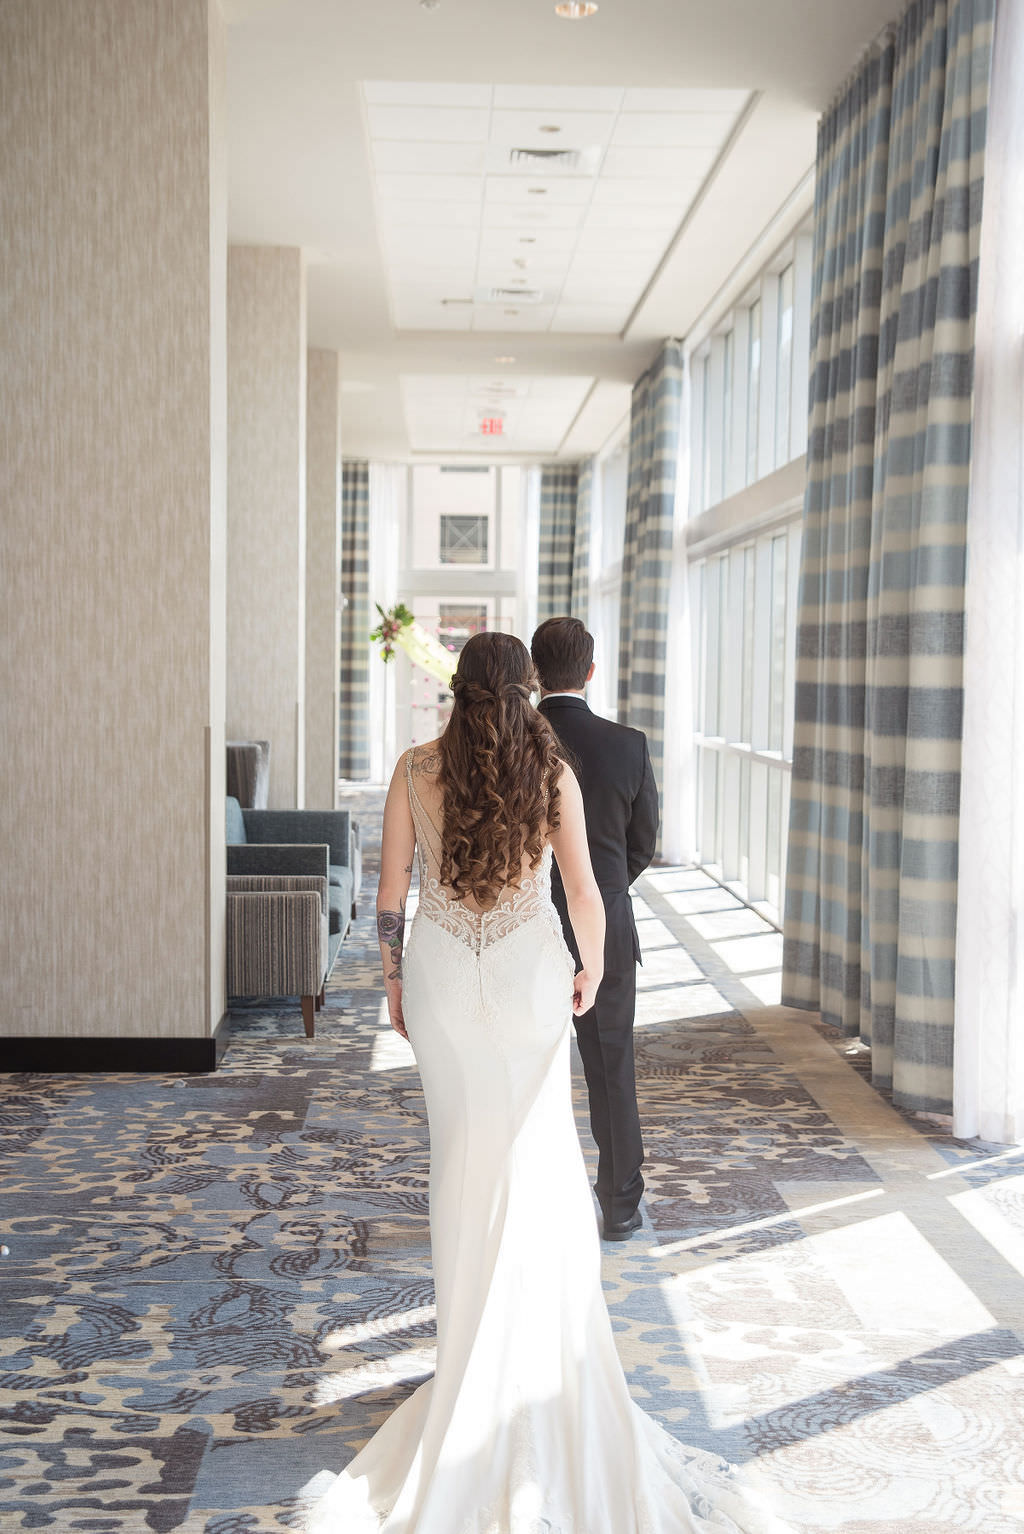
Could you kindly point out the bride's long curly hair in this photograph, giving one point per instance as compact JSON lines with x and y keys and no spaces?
{"x":500,"y":765}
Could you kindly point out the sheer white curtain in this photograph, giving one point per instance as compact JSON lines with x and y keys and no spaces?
{"x":989,"y":1028}
{"x":529,"y":552}
{"x":388,"y":484}
{"x":678,"y":831}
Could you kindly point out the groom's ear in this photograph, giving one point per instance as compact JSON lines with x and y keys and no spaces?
{"x":590,"y":673}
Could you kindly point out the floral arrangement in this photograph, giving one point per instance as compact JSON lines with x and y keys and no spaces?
{"x":398,"y":627}
{"x":390,"y":626}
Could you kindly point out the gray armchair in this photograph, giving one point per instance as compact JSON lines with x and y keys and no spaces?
{"x":297,"y":842}
{"x":278,"y":942}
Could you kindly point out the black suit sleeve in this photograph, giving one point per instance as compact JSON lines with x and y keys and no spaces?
{"x":642,"y":831}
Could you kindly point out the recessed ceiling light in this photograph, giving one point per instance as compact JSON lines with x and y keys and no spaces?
{"x":537,"y":191}
{"x":550,"y":128}
{"x":511,"y":311}
{"x":505,"y":361}
{"x":429,"y":5}
{"x":574,"y":10}
{"x":527,"y":239}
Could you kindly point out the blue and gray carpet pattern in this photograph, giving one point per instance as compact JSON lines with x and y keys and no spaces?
{"x":218,"y":1286}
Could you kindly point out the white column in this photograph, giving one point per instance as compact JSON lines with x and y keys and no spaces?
{"x":267,"y":510}
{"x":323,"y":576}
{"x":113,"y":412}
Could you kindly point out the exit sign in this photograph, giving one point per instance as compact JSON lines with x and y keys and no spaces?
{"x":492,"y":426}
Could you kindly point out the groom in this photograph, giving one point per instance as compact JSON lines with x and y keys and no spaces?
{"x":620,"y":800}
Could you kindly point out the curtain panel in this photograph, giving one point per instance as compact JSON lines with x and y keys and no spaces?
{"x":870,"y":909}
{"x":559,"y":485}
{"x":988,"y":1067}
{"x":579,"y":599}
{"x":654,"y":432}
{"x":356,"y":622}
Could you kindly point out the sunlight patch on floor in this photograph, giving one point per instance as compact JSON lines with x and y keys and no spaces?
{"x":390,"y":1051}
{"x":982,"y":1208}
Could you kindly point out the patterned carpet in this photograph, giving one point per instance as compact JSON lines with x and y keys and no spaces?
{"x":218,"y":1286}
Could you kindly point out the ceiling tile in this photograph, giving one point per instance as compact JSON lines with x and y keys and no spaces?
{"x":431,"y":287}
{"x":670,"y":128}
{"x":526,"y":130}
{"x":624,"y":194}
{"x":501,"y":317}
{"x":425,"y":93}
{"x":536,"y":245}
{"x":450,"y":125}
{"x":682,"y":99}
{"x":405,"y":157}
{"x":533,"y":192}
{"x":524,"y":219}
{"x":645,"y":216}
{"x":504,"y":274}
{"x":558,"y":98}
{"x":677,"y":163}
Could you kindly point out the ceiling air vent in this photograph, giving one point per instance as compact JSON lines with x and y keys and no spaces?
{"x":508,"y":296}
{"x":546,"y":159}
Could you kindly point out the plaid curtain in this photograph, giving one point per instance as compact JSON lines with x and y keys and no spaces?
{"x":654,"y":427}
{"x":870,"y":908}
{"x":558,"y":491}
{"x":579,"y":601}
{"x":356,"y":622}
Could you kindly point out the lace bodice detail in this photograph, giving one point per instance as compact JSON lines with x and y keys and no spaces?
{"x":477,"y":929}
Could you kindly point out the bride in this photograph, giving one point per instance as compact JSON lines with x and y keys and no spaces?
{"x":527,"y":1426}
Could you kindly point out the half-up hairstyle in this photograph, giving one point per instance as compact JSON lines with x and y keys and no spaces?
{"x":500,"y":764}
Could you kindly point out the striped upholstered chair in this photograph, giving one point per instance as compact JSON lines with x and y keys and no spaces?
{"x":278,"y":940}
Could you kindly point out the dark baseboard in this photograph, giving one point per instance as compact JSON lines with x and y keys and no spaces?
{"x":61,"y":1056}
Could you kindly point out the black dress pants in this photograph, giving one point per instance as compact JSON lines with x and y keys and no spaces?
{"x":605,"y":1039}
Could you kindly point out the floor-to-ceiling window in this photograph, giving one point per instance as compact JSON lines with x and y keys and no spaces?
{"x":747,"y":437}
{"x":461,"y":562}
{"x":608,"y":527}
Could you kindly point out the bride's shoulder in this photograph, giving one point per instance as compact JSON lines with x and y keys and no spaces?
{"x":425,"y":760}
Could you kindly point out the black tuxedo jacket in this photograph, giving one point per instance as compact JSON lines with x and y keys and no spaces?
{"x":620,"y":801}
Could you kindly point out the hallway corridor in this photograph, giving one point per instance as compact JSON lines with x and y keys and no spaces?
{"x":218,"y":1286}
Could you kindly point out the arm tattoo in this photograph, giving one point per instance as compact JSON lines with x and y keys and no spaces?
{"x":391,"y":932}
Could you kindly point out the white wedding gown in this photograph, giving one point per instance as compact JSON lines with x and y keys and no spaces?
{"x":527,"y":1426}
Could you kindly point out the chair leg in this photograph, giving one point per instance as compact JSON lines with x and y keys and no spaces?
{"x":307,"y":1015}
{"x":318,"y":1001}
{"x":323,"y":994}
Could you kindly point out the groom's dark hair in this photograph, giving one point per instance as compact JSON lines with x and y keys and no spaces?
{"x":562,"y":652}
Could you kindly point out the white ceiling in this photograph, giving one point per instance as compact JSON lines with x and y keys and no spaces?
{"x":503,"y":208}
{"x":376,"y":134}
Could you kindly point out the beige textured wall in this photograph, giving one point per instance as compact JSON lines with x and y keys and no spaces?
{"x":323,"y":575}
{"x":266,"y":623}
{"x":112,"y":271}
